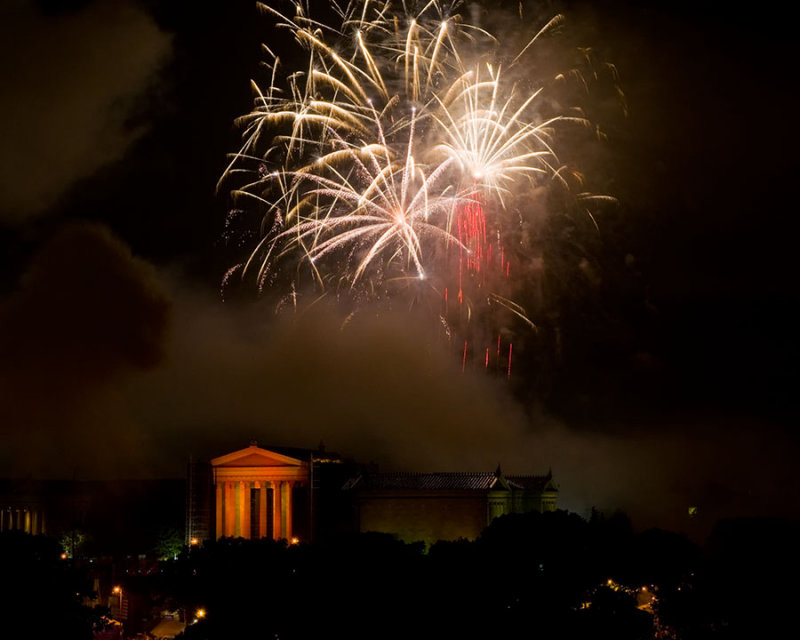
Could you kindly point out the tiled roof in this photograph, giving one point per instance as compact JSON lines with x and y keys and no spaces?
{"x":480,"y":481}
{"x":535,"y":483}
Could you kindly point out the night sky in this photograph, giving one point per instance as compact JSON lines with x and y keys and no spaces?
{"x":118,"y":357}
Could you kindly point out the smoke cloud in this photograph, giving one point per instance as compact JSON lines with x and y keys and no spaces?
{"x":86,"y":315}
{"x":70,"y":84}
{"x":377,"y":387}
{"x":109,"y":372}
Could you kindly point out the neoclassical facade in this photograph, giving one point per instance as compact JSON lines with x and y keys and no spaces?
{"x":254,"y":491}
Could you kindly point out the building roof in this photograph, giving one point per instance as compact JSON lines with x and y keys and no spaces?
{"x":255,"y":456}
{"x":443,"y":481}
{"x":533,"y":483}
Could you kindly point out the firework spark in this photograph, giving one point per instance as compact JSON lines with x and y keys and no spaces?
{"x":390,"y":153}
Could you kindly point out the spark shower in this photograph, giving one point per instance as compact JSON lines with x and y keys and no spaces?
{"x":393,"y":156}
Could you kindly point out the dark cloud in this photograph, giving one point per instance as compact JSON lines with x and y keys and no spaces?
{"x":86,"y":314}
{"x":69,"y":87}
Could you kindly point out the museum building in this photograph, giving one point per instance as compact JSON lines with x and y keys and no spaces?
{"x":302,"y":494}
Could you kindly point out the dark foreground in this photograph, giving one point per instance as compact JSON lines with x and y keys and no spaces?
{"x":550,"y":575}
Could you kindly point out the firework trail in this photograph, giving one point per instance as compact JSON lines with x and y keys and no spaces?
{"x":389,"y":151}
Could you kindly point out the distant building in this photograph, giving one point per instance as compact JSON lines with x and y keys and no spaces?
{"x":22,"y":506}
{"x":94,"y":517}
{"x":286,"y":493}
{"x":199,"y":503}
{"x":444,"y":506}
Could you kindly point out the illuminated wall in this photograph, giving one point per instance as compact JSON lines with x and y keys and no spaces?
{"x":254,"y":493}
{"x":444,"y":506}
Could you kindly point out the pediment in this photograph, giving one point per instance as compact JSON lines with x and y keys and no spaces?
{"x":253,"y":456}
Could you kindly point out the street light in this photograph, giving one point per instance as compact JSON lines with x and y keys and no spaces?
{"x":117,"y":590}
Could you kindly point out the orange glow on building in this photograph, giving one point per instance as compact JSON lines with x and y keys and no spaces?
{"x":254,"y":493}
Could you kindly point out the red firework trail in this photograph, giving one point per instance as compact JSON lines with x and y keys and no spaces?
{"x":482,"y":259}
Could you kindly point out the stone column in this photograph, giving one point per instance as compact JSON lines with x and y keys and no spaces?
{"x":220,"y":515}
{"x":287,"y":510}
{"x":230,"y":509}
{"x":262,"y":511}
{"x":244,"y":509}
{"x":277,"y":520}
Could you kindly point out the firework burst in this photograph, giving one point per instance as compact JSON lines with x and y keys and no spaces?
{"x":391,"y":150}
